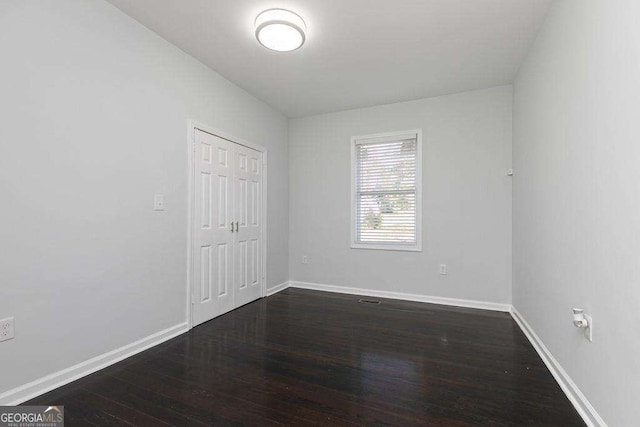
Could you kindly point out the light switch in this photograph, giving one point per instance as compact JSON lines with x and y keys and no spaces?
{"x":158,"y":202}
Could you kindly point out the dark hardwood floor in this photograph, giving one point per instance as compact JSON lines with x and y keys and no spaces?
{"x":313,"y":358}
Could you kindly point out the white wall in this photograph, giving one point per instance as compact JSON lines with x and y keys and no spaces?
{"x":466,"y":201}
{"x":94,"y":111}
{"x":577,"y":196}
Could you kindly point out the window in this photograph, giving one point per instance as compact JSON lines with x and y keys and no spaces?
{"x":386,"y":196}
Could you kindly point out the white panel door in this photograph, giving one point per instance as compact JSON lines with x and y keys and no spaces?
{"x":248,"y":243}
{"x":213,"y":292}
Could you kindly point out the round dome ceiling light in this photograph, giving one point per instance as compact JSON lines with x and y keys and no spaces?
{"x":280,"y":30}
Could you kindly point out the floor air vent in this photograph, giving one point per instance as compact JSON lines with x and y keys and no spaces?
{"x":368,"y":301}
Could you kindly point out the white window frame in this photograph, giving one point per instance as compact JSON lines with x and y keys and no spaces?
{"x":383,"y":137}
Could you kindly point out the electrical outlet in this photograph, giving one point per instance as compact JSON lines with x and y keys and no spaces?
{"x":305,"y":259}
{"x":6,"y":329}
{"x":158,"y":202}
{"x":443,"y":269}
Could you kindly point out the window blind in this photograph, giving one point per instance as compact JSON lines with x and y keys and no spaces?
{"x":386,"y":192}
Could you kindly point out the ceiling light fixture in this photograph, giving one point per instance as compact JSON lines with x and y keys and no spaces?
{"x":280,"y":30}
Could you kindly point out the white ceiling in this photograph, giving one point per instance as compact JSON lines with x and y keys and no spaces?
{"x":358,"y":53}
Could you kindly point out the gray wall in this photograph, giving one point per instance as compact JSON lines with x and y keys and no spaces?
{"x":576,"y":196}
{"x":466,"y":200}
{"x":94,"y":112}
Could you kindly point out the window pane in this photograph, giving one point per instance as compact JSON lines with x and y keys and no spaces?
{"x":388,"y":166}
{"x":389,"y":218}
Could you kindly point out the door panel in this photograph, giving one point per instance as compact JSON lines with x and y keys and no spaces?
{"x":248,"y":264}
{"x":213,"y":239}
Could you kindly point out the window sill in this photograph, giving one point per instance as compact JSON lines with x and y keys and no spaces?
{"x":401,"y":248}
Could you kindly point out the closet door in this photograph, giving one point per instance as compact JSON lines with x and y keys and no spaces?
{"x":248,"y":243}
{"x":213,"y":292}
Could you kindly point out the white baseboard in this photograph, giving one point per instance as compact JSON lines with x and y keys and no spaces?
{"x":45,"y":384}
{"x":401,"y":296}
{"x":577,"y":398}
{"x":277,"y":288}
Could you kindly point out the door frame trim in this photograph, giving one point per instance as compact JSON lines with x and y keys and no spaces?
{"x":192,"y":127}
